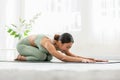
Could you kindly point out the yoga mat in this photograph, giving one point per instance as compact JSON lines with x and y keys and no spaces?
{"x":60,"y":62}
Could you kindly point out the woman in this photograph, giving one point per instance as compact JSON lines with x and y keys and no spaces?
{"x":42,"y":48}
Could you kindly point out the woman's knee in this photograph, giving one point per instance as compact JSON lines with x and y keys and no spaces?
{"x":19,"y":48}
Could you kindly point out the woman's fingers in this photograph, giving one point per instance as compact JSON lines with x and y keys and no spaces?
{"x":97,"y":60}
{"x":92,"y":60}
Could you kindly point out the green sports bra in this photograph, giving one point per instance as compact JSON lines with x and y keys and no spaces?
{"x":37,"y":43}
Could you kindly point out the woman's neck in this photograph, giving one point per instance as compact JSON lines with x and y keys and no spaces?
{"x":55,"y":44}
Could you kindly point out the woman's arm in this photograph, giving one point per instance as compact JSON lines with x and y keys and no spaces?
{"x":74,"y":55}
{"x":50,"y":47}
{"x":97,"y":60}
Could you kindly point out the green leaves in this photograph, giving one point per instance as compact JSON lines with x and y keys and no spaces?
{"x":23,"y":29}
{"x":26,"y":32}
{"x":19,"y":31}
{"x":14,"y":33}
{"x":9,"y":30}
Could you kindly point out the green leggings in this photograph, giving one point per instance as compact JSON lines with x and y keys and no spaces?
{"x":32,"y":53}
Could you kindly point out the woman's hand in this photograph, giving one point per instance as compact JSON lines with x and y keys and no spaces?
{"x":97,"y":60}
{"x":92,"y":60}
{"x":88,"y":60}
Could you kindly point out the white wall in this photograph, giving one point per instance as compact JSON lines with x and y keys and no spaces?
{"x":85,"y":42}
{"x":2,"y":22}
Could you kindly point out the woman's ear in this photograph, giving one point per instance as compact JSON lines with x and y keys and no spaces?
{"x":59,"y":42}
{"x":55,"y":42}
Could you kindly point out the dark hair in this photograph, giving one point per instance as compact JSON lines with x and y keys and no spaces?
{"x":64,"y":38}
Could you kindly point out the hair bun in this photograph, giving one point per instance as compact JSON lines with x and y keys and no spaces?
{"x":56,"y":37}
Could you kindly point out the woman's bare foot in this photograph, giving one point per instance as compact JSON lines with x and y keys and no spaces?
{"x":21,"y":58}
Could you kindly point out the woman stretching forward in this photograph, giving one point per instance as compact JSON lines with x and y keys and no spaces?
{"x":42,"y":48}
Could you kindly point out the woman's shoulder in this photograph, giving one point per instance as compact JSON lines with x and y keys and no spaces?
{"x":40,"y":36}
{"x":37,"y":35}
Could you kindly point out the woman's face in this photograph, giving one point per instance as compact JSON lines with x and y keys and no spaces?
{"x":65,"y":47}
